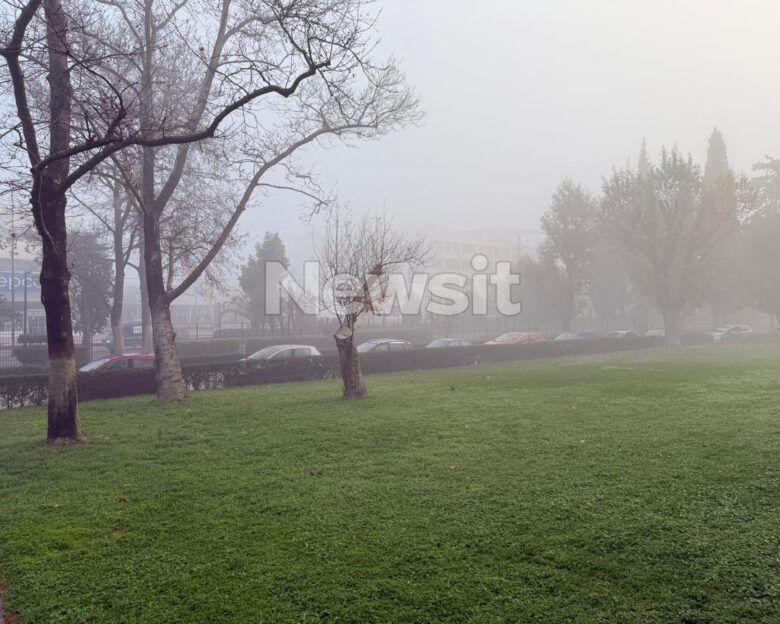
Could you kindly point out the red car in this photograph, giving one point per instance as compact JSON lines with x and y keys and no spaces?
{"x":121,"y":361}
{"x":517,"y":338}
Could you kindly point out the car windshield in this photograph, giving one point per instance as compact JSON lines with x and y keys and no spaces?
{"x":722,"y":330}
{"x":94,"y":365}
{"x":264,"y":354}
{"x":510,"y":337}
{"x":438,"y":343}
{"x":366,"y":347}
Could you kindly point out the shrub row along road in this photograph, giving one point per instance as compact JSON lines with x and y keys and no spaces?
{"x":633,"y":487}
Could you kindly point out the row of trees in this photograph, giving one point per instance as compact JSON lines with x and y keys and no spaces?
{"x":666,"y":234}
{"x":183,"y":111}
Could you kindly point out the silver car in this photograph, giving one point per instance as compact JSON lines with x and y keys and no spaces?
{"x":378,"y":345}
{"x":447,"y":342}
{"x":283,"y":352}
{"x":730,"y":332}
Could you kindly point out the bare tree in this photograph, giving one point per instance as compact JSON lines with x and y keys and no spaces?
{"x":316,"y":54}
{"x":356,"y":258}
{"x":112,"y":208}
{"x":84,"y":80}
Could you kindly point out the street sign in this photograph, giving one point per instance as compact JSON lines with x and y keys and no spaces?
{"x":15,"y":281}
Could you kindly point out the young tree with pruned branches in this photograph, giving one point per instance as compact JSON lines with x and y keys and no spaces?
{"x":357,"y":257}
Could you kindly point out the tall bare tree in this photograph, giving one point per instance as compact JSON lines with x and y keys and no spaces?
{"x":316,"y":54}
{"x":67,"y":68}
{"x":113,"y":209}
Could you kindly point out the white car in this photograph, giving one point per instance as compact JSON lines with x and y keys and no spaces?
{"x":440,"y":343}
{"x":622,"y":334}
{"x":729,"y":332}
{"x":283,"y":352}
{"x":377,"y":345}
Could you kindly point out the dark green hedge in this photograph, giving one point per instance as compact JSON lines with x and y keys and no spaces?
{"x":31,"y":339}
{"x":36,"y":355}
{"x":189,"y":350}
{"x":30,"y":389}
{"x":21,"y":390}
{"x":228,"y":358}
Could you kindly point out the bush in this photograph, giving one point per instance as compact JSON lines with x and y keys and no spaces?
{"x":228,"y":358}
{"x":37,"y":339}
{"x":238,"y":333}
{"x":189,"y":350}
{"x":418,"y":359}
{"x":276,"y":371}
{"x":115,"y":384}
{"x":22,"y":370}
{"x":24,"y":389}
{"x":38,"y":355}
{"x":31,"y":389}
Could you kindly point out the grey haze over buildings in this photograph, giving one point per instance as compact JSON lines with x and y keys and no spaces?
{"x":520,"y":94}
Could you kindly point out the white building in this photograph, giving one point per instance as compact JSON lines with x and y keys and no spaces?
{"x":454,"y":251}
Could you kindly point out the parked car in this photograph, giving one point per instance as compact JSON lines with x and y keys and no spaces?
{"x":517,"y":338}
{"x":122,"y":361}
{"x":622,"y":333}
{"x":384,"y":344}
{"x":730,"y":332}
{"x":447,"y":342}
{"x":583,"y":335}
{"x":133,"y":336}
{"x":655,"y":333}
{"x":283,"y":352}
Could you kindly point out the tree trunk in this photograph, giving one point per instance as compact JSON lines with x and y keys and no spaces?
{"x":117,"y":335}
{"x":147,"y":344}
{"x":349,"y":362}
{"x":63,"y":421}
{"x":48,"y":204}
{"x":671,"y":327}
{"x":170,"y":382}
{"x":86,"y":325}
{"x":117,"y":300}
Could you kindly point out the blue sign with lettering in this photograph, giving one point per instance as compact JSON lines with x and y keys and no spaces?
{"x":16,"y":282}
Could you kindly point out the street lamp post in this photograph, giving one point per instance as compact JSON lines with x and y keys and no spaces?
{"x":13,"y":284}
{"x":26,"y":274}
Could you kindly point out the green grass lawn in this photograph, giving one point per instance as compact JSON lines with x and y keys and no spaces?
{"x":638,"y":487}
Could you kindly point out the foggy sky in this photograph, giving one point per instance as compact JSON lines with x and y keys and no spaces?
{"x":521,"y":93}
